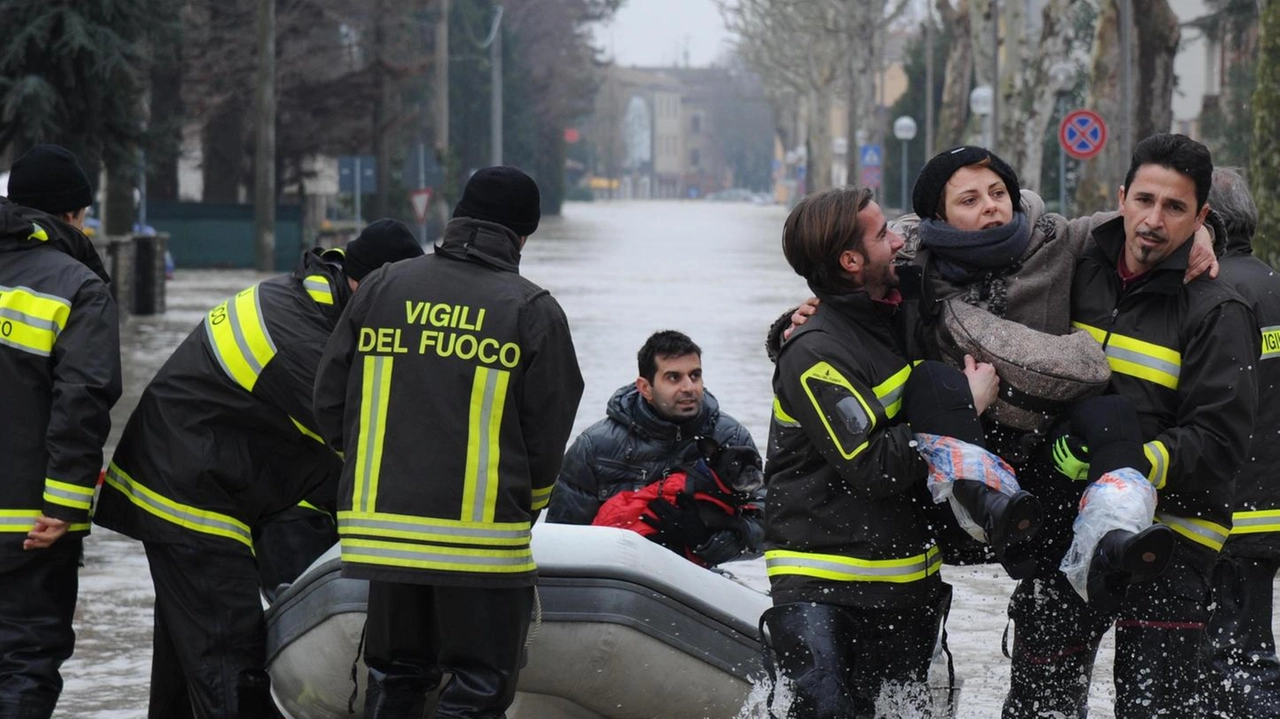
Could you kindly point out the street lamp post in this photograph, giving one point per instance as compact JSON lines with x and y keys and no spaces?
{"x":981,"y":103}
{"x":1062,"y":78}
{"x":904,"y":128}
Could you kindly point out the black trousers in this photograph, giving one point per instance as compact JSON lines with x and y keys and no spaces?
{"x":289,"y":543}
{"x":1242,"y":671}
{"x":418,"y":632}
{"x":1159,"y":630}
{"x":209,"y":648}
{"x":37,"y":602}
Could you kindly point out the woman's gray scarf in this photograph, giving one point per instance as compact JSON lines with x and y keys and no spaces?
{"x":963,"y":256}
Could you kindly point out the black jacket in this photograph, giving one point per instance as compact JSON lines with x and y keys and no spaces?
{"x":1186,"y":355}
{"x":1256,"y":520}
{"x":223,"y":436}
{"x":633,"y":447}
{"x":451,"y":383}
{"x":59,"y":372}
{"x":844,"y":519}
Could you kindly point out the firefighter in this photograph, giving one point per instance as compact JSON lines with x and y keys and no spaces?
{"x":222,"y":440}
{"x":451,"y":385}
{"x":59,"y":377}
{"x":1240,"y":657}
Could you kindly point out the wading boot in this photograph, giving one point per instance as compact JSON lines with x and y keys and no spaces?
{"x":1123,"y":558}
{"x":1009,"y":520}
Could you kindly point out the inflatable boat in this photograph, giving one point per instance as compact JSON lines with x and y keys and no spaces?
{"x":627,"y":630}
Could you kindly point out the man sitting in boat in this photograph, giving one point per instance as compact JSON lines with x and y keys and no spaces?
{"x":650,"y":429}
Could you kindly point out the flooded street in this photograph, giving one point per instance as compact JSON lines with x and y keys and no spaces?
{"x":621,"y":271}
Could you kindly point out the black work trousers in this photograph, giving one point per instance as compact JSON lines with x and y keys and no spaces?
{"x":416,"y":633}
{"x":37,"y":602}
{"x":209,"y":648}
{"x":289,"y":543}
{"x":1242,"y":671}
{"x":1159,"y":630}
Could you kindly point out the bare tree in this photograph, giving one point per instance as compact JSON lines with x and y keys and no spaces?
{"x":953,"y":115}
{"x":1265,"y":164}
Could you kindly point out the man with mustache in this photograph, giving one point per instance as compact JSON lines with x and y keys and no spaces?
{"x":1185,"y":354}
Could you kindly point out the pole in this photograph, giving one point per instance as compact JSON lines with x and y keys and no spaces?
{"x":928,"y":79}
{"x":1126,"y":78}
{"x":264,"y":160}
{"x":994,"y":138}
{"x":905,"y":204}
{"x":359,"y":222}
{"x":142,"y":191}
{"x":422,"y":182}
{"x":495,"y":81}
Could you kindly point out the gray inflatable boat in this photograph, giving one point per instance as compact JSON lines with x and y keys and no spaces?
{"x":628,"y":630}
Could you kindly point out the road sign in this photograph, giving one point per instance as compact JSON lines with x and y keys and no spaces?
{"x":870,"y":156}
{"x":870,"y":177}
{"x":421,"y":200}
{"x":1082,"y":134}
{"x":347,"y":170}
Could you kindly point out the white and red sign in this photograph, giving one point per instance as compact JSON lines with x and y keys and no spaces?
{"x":1082,"y":134}
{"x":421,"y":199}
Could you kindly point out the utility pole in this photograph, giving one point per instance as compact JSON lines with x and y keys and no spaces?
{"x":928,"y":80}
{"x":1126,"y":79}
{"x":264,"y":159}
{"x":494,"y":42}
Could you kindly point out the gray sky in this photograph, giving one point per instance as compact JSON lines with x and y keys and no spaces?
{"x":656,"y":32}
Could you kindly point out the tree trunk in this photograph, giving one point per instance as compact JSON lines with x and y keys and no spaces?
{"x":380,"y":207}
{"x":1156,"y":42}
{"x":223,"y":154}
{"x":820,"y":153}
{"x":1265,"y":164}
{"x":1026,"y":141}
{"x":264,"y":161}
{"x":953,"y":115}
{"x":982,"y":20}
{"x":1011,"y":96}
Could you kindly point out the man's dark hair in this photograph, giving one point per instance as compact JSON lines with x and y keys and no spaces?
{"x":1178,"y":153}
{"x":820,"y":228}
{"x":667,"y":343}
{"x":1230,"y":198}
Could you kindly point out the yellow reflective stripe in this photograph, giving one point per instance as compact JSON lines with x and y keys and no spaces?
{"x":824,"y":372}
{"x":23,"y":520}
{"x":239,"y":337}
{"x":38,"y":233}
{"x":1138,"y":358}
{"x":31,"y":321}
{"x":541,"y":497}
{"x":67,"y":495}
{"x":1256,"y":521}
{"x":305,"y":431}
{"x":183,"y":515}
{"x":374,"y":393}
{"x":436,"y":530}
{"x":445,"y":559}
{"x":781,"y":416}
{"x":1270,"y":342}
{"x":1200,"y":531}
{"x":889,"y":392}
{"x":484,"y":427}
{"x":318,"y":287}
{"x":1158,"y":456}
{"x":839,"y":568}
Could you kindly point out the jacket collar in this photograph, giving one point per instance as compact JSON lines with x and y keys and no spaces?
{"x":487,"y":243}
{"x":1165,"y":277}
{"x":629,"y":408}
{"x":320,"y":268}
{"x":24,"y":228}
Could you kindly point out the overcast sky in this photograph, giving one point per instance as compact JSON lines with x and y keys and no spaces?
{"x":657,"y":32}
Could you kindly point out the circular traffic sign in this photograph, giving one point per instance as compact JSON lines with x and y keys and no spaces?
{"x":1082,"y":134}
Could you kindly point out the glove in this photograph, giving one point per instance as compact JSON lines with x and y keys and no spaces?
{"x":1071,"y":457}
{"x":677,"y":527}
{"x":724,"y":545}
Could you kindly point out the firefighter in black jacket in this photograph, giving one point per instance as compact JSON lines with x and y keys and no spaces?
{"x":851,"y":559}
{"x":222,"y":440}
{"x":1185,"y":355}
{"x":59,"y":377}
{"x":1243,"y":671}
{"x":451,"y":385}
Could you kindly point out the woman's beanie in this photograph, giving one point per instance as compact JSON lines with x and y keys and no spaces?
{"x":380,"y":242}
{"x":926,"y":197}
{"x":504,"y":195}
{"x":48,"y":178}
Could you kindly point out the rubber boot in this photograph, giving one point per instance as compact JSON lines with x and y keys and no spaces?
{"x":395,"y":697}
{"x":811,"y":645}
{"x":1123,"y":558}
{"x":1009,"y":521}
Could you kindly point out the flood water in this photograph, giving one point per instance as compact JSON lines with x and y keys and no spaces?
{"x":621,"y":271}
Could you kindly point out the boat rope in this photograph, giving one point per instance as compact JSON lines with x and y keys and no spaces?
{"x":536,"y":620}
{"x":355,"y":673}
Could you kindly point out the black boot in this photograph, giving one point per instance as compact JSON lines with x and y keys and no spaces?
{"x":1009,"y":521}
{"x":395,"y":697}
{"x":812,"y":645}
{"x":1123,"y":558}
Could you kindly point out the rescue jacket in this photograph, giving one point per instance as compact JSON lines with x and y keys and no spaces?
{"x":59,"y":372}
{"x":451,"y":383}
{"x":1185,"y":354}
{"x":223,"y":437}
{"x":844,"y":519}
{"x":1255,"y":530}
{"x":631,"y":448}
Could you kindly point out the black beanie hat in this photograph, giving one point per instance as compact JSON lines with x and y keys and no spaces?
{"x":504,"y":195}
{"x":927,"y":194}
{"x":48,"y":178}
{"x":380,"y":242}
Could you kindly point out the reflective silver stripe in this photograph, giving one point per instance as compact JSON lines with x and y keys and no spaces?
{"x":485,"y":443}
{"x":68,"y":495}
{"x":177,"y":513}
{"x":371,"y":433}
{"x":30,"y":320}
{"x":1256,"y":521}
{"x":1270,"y":342}
{"x":1200,"y":531}
{"x":384,"y":524}
{"x":316,"y":285}
{"x":442,"y":558}
{"x":1159,"y":365}
{"x":19,"y":520}
{"x":852,"y":569}
{"x":41,"y":295}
